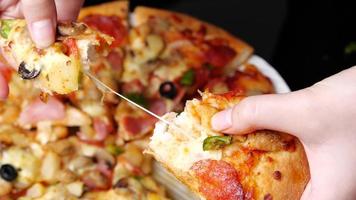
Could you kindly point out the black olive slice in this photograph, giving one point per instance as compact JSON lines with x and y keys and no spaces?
{"x":168,"y":90}
{"x":8,"y":172}
{"x":27,"y":74}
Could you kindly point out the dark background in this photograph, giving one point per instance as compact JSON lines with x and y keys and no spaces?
{"x":305,"y":41}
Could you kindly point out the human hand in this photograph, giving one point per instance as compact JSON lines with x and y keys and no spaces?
{"x":41,"y":16}
{"x":322,"y":116}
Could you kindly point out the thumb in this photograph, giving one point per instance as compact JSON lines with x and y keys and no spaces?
{"x":41,"y":18}
{"x":279,"y":112}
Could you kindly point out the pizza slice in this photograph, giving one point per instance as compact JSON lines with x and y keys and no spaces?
{"x":247,"y":80}
{"x":200,"y":42}
{"x":111,"y":19}
{"x":260,"y":165}
{"x":56,"y":68}
{"x":168,"y":57}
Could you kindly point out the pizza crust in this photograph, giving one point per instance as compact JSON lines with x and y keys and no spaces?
{"x":141,"y":15}
{"x":118,"y":8}
{"x":268,"y":163}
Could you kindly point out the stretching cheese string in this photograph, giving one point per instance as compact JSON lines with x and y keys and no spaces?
{"x":103,"y":85}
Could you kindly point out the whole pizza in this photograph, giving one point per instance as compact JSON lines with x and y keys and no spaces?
{"x":63,"y":137}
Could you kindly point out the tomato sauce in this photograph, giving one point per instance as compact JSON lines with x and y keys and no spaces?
{"x":111,"y":25}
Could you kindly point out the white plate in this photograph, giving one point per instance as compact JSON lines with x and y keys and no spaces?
{"x":177,"y":190}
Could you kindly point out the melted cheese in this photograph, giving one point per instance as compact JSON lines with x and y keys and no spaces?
{"x":177,"y":149}
{"x":28,"y":164}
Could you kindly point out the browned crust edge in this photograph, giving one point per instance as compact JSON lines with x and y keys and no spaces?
{"x":118,"y":8}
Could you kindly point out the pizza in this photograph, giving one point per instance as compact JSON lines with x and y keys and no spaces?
{"x":58,"y":67}
{"x":66,"y":146}
{"x":80,"y":142}
{"x":169,"y":57}
{"x":260,"y":165}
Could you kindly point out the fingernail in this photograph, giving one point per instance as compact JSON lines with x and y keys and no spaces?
{"x":222,"y":120}
{"x":42,"y":33}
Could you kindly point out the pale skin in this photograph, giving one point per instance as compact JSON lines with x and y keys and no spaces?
{"x":42,"y":17}
{"x":322,"y":116}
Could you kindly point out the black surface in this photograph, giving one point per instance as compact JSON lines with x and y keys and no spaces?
{"x":304,"y":40}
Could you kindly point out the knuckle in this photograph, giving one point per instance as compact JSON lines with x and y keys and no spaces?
{"x":247,"y":110}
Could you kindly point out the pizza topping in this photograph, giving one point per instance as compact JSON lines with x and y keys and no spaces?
{"x":5,"y":187}
{"x":217,"y":86}
{"x":188,"y":78}
{"x":4,"y":88}
{"x":94,"y":135}
{"x":216,"y":142}
{"x":26,"y":73}
{"x":115,"y":59}
{"x":71,"y":28}
{"x":5,"y":27}
{"x":95,"y":180}
{"x":268,"y":197}
{"x":38,"y":111}
{"x":218,"y":180}
{"x":114,"y":149}
{"x":71,"y":47}
{"x":137,"y":125}
{"x":168,"y":89}
{"x":137,"y":98}
{"x":158,"y":106}
{"x":122,"y":183}
{"x":219,"y":55}
{"x":134,"y":86}
{"x":105,"y":166}
{"x":111,"y":25}
{"x":6,"y":71}
{"x":102,"y":127}
{"x":277,"y":175}
{"x":8,"y":172}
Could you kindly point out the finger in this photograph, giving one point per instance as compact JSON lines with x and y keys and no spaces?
{"x":4,"y":88}
{"x":280,"y":112}
{"x":68,"y":10}
{"x":10,"y":9}
{"x":41,"y":17}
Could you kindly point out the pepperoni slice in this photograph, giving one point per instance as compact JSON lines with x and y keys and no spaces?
{"x":115,"y":60}
{"x":111,"y":25}
{"x":219,"y":55}
{"x":218,"y":180}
